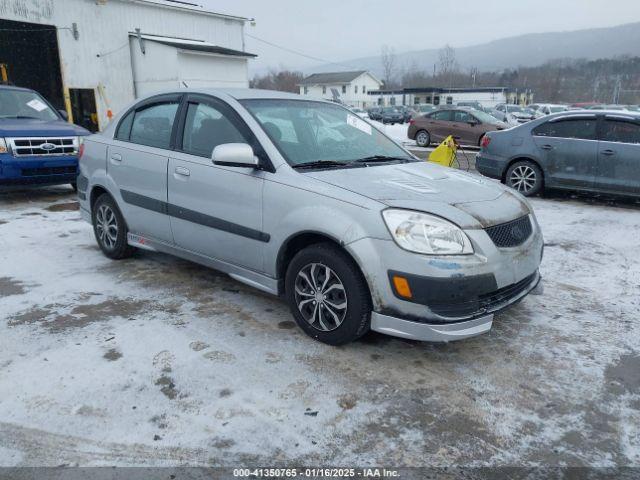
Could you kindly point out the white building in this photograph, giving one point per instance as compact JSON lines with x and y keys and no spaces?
{"x":485,"y":96}
{"x":92,"y":57}
{"x":351,"y":88}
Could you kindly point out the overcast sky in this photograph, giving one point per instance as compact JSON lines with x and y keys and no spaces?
{"x":338,"y":30}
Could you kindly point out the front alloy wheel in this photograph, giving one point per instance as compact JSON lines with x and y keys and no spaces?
{"x":320,"y":297}
{"x":327,"y":294}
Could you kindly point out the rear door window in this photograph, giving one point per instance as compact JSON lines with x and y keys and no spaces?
{"x":152,"y":125}
{"x":443,"y":115}
{"x":620,"y":131}
{"x":583,"y":128}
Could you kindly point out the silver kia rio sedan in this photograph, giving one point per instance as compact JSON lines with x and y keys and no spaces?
{"x":306,"y":200}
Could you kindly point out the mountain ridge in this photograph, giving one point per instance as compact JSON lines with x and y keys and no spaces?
{"x":526,"y":50}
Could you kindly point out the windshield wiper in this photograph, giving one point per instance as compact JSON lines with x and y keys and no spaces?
{"x":19,"y":117}
{"x":322,"y":164}
{"x":383,"y":159}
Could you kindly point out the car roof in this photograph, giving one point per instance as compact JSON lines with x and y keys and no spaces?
{"x":578,"y":113}
{"x":13,"y":87}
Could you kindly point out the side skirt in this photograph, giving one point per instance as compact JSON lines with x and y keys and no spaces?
{"x":244,"y":275}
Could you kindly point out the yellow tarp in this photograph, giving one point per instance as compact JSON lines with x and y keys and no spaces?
{"x":445,"y":153}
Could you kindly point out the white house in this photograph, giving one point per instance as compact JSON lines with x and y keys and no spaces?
{"x":92,"y":57}
{"x":351,"y":88}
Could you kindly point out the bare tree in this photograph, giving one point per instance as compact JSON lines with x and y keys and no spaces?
{"x":389,"y":60}
{"x":282,"y":80}
{"x":448,"y":65}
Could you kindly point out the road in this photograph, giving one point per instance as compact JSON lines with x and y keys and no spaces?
{"x":158,"y":361}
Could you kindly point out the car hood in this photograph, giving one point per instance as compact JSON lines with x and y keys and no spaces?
{"x":28,"y":127}
{"x":432,"y":188}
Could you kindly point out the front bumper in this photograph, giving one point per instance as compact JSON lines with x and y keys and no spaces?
{"x":36,"y":170}
{"x":444,"y":332}
{"x":494,"y":278}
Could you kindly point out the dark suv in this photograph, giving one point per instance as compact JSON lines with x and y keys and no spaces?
{"x":37,"y":145}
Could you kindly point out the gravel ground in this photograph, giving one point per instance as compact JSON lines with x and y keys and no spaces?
{"x":157,"y":361}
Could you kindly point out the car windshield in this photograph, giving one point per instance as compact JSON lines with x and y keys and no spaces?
{"x":513,"y":108}
{"x":309,"y":132}
{"x":24,"y":104}
{"x":484,"y":117}
{"x":426,"y":108}
{"x":557,"y":109}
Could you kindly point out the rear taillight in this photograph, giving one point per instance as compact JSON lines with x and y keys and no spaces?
{"x":412,"y":122}
{"x":80,"y":149}
{"x":486,"y":140}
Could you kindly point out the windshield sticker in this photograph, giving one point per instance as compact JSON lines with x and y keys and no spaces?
{"x":360,"y":124}
{"x":37,"y":105}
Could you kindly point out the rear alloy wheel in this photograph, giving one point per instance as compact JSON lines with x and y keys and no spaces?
{"x":525,"y":177}
{"x":423,"y":139}
{"x":328,"y":295}
{"x":110,"y":228}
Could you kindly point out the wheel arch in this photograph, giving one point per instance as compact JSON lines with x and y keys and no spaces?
{"x":521,"y":158}
{"x":301,"y":240}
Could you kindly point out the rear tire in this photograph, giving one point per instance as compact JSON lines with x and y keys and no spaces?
{"x":110,"y":228}
{"x":423,"y":138}
{"x":74,"y":186}
{"x":328,"y":295}
{"x":525,"y":177}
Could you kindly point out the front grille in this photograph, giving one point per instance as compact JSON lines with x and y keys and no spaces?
{"x":36,"y":172}
{"x":511,"y":234}
{"x":43,"y":146}
{"x":486,"y":303}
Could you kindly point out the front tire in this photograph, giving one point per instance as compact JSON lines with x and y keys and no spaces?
{"x":423,"y":138}
{"x":328,"y":295}
{"x":110,"y":228}
{"x":525,"y":177}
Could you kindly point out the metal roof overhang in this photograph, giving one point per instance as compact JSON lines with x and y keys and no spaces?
{"x":192,"y":45}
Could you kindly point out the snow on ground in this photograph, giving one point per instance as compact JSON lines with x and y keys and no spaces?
{"x":157,"y":361}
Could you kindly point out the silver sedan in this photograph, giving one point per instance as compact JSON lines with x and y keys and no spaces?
{"x":306,"y":200}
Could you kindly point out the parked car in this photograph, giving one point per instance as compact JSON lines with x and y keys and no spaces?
{"x":392,"y":115}
{"x":608,"y":107}
{"x":475,"y":105}
{"x":375,"y":113}
{"x":513,"y":114}
{"x":37,"y":145}
{"x":424,"y":108}
{"x":407,"y":112}
{"x":360,"y":112}
{"x":542,"y":109}
{"x":301,"y":199}
{"x":587,"y":151}
{"x":467,"y":126}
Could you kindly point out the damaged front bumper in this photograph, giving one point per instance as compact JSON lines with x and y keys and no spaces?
{"x":445,"y":332}
{"x":453,"y":297}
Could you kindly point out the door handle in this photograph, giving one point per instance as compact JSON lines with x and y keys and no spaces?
{"x":608,"y":153}
{"x":546,"y":147}
{"x":182,"y":171}
{"x":116,"y":158}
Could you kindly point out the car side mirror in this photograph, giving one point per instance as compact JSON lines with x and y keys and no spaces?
{"x":235,"y":155}
{"x":64,"y":114}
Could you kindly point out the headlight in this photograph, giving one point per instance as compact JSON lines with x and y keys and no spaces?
{"x":3,"y":146}
{"x":424,"y":233}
